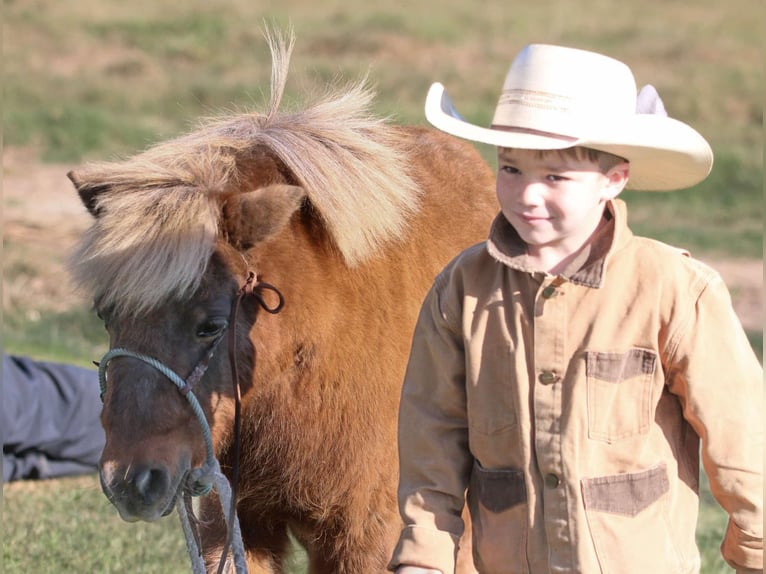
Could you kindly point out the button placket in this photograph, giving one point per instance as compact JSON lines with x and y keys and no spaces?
{"x":550,"y":327}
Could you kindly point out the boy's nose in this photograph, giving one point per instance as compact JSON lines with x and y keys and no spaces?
{"x":531,"y":193}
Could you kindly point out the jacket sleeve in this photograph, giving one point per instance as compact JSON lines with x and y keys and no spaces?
{"x":434,"y":459}
{"x":720,"y":383}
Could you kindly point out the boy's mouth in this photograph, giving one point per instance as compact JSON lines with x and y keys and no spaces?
{"x":532,"y":219}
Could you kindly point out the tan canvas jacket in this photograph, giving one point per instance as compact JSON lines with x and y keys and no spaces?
{"x":572,"y":409}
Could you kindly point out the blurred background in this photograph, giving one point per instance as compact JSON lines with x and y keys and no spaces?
{"x":102,"y":79}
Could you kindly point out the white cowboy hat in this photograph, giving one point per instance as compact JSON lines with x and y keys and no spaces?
{"x":556,"y":97}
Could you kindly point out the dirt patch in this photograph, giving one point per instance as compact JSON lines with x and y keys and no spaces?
{"x":43,"y":217}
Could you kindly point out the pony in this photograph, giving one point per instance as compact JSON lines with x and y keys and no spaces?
{"x":341,"y":215}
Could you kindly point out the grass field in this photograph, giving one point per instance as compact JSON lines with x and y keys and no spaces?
{"x":98,"y":79}
{"x":67,"y":526}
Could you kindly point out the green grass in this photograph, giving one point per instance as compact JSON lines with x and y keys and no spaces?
{"x":66,"y":526}
{"x":721,"y":216}
{"x":97,"y":79}
{"x":75,"y":335}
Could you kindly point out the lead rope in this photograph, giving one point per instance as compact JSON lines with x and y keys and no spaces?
{"x":234,"y":534}
{"x":201,"y":480}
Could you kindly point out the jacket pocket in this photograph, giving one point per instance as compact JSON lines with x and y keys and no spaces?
{"x":497,"y":500}
{"x":619,"y":387}
{"x":628,"y":520}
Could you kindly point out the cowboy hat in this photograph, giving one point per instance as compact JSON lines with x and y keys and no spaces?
{"x":556,"y":97}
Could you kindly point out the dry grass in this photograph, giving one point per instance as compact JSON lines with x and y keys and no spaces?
{"x":167,"y":65}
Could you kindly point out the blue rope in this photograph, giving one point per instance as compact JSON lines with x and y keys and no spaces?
{"x":200,"y":479}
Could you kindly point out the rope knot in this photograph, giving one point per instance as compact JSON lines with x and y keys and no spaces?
{"x":234,"y":534}
{"x":199,"y":481}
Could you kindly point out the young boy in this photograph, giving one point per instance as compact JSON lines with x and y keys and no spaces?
{"x":563,"y":375}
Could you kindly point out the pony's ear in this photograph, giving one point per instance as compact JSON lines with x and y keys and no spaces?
{"x":88,"y":192}
{"x":251,"y":217}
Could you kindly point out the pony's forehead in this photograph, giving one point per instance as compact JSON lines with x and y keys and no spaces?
{"x":147,"y":247}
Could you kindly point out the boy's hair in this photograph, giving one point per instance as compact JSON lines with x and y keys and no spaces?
{"x":603,"y":159}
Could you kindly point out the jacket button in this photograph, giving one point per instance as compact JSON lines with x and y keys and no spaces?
{"x":552,"y":481}
{"x":548,"y":377}
{"x":549,"y":291}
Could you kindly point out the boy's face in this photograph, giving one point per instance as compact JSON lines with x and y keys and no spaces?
{"x":554,"y":201}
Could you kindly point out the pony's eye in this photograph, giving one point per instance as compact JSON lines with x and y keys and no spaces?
{"x":211,"y":328}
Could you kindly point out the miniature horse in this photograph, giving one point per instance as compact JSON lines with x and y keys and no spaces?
{"x":349,"y":218}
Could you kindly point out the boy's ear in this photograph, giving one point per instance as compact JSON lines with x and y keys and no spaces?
{"x":618,"y":176}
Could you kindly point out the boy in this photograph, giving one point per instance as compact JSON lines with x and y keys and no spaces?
{"x":563,"y":375}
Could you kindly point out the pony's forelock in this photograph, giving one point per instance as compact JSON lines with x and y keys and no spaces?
{"x":159,"y":214}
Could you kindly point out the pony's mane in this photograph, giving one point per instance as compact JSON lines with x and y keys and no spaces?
{"x":158,"y":212}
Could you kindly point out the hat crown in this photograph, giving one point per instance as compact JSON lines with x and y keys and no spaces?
{"x":563,"y":91}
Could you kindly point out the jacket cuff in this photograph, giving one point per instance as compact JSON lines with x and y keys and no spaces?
{"x":427,"y":548}
{"x":741,"y":550}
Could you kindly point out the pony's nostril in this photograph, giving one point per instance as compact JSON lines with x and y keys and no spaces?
{"x":151,"y":484}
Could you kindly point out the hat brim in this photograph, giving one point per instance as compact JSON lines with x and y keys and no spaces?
{"x":664,"y":153}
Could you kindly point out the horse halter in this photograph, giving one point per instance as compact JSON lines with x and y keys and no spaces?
{"x":196,"y":483}
{"x":200,"y":480}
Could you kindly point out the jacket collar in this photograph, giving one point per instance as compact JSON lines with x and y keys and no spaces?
{"x":588,"y":268}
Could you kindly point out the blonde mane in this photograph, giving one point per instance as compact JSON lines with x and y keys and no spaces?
{"x":159,"y":211}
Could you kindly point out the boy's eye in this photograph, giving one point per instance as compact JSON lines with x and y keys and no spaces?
{"x":509,"y":169}
{"x":556,"y":178}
